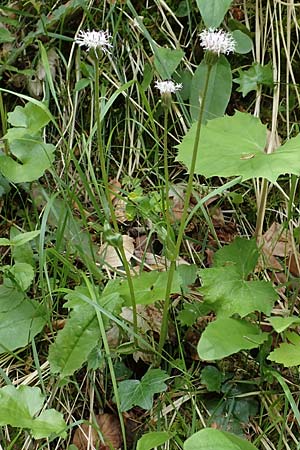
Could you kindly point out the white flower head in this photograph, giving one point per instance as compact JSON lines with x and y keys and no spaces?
{"x":94,"y":40}
{"x":217,"y":41}
{"x":168,"y":87}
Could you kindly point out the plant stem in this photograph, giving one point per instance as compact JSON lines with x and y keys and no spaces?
{"x":109,"y":199}
{"x":166,"y":170}
{"x":261,"y":210}
{"x":165,"y":318}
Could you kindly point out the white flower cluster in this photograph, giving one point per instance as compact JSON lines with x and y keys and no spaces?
{"x":217,"y":41}
{"x":94,"y":40}
{"x":168,"y":87}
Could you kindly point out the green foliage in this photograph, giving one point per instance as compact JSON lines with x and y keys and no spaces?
{"x":219,"y":90}
{"x":20,"y":408}
{"x":212,"y":439}
{"x":81,"y":333}
{"x":234,"y":146}
{"x":243,"y":42}
{"x":249,"y":80}
{"x":212,"y":378}
{"x":226,"y":336}
{"x":166,"y":61}
{"x":282,"y":323}
{"x":140,"y":393}
{"x":226,"y":287}
{"x":29,"y":155}
{"x":150,"y":440}
{"x":288,"y":353}
{"x":213,"y":11}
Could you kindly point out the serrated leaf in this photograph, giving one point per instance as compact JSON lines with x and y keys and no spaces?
{"x":213,"y":11}
{"x":282,"y":323}
{"x":217,"y":342}
{"x":140,"y":393}
{"x":150,"y":440}
{"x":19,"y":407}
{"x":242,"y":253}
{"x":18,"y":326}
{"x":218,"y":92}
{"x":33,"y":155}
{"x":288,"y":353}
{"x":243,"y":42}
{"x":249,"y":80}
{"x":166,"y":61}
{"x":212,"y":439}
{"x":227,"y":293}
{"x":234,"y":146}
{"x":74,"y":342}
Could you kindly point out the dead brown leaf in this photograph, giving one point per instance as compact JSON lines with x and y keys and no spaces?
{"x":109,"y":427}
{"x":110,"y":256}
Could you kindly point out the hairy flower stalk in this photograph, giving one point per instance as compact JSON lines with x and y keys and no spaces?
{"x":99,"y":41}
{"x":215,"y":42}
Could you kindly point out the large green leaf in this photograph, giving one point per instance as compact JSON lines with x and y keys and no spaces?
{"x":212,"y":439}
{"x":140,"y":393}
{"x":81,"y":333}
{"x":213,"y":11}
{"x":19,"y":408}
{"x":227,"y":293}
{"x":74,"y":342}
{"x":18,"y":326}
{"x":288,"y":353}
{"x":34,"y":158}
{"x":10,"y":297}
{"x":218,"y":93}
{"x":234,"y":146}
{"x":31,"y":117}
{"x":226,"y":336}
{"x":166,"y":60}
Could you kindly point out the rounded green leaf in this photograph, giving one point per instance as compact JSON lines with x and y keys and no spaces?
{"x":219,"y":90}
{"x":150,"y":440}
{"x":226,"y":336}
{"x":34,"y":158}
{"x":234,"y":146}
{"x":243,"y":42}
{"x":166,"y":60}
{"x":213,"y":439}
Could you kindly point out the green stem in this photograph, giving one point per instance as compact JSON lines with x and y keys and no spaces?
{"x":165,"y":318}
{"x":108,"y":199}
{"x":261,"y":210}
{"x":166,"y":170}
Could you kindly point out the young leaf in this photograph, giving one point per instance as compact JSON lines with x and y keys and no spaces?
{"x":20,"y":325}
{"x":10,"y":296}
{"x":212,"y":439}
{"x":219,"y":90}
{"x":23,"y":275}
{"x":140,"y":393}
{"x":234,"y":146}
{"x":282,"y":323}
{"x":150,"y":440}
{"x":31,"y":117}
{"x":213,"y":11}
{"x":288,"y":353}
{"x":19,"y":408}
{"x":249,"y":80}
{"x":212,"y":378}
{"x":166,"y":61}
{"x":227,"y":336}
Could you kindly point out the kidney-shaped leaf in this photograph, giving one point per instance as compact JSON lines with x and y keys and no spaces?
{"x":212,"y":439}
{"x":34,"y":158}
{"x":234,"y":146}
{"x":20,"y":406}
{"x":226,"y":336}
{"x":30,"y":116}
